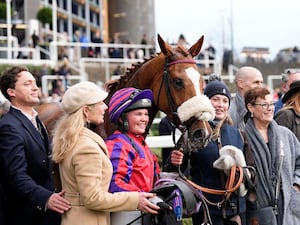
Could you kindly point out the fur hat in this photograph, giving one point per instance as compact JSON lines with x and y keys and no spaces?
{"x":217,"y":88}
{"x":83,"y":93}
{"x":294,"y":88}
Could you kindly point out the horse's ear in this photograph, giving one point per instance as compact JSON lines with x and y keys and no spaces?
{"x":164,"y":46}
{"x":195,"y":49}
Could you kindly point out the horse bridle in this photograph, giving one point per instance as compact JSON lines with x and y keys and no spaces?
{"x":175,"y":120}
{"x":236,"y":172}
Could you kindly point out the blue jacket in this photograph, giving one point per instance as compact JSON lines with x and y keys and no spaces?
{"x":278,"y":105}
{"x":203,"y":173}
{"x":25,"y":171}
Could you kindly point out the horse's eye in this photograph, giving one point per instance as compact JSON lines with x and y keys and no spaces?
{"x":178,"y":83}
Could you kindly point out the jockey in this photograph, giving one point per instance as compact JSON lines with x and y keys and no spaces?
{"x":135,"y":166}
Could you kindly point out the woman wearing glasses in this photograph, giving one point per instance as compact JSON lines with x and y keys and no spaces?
{"x":276,"y":152}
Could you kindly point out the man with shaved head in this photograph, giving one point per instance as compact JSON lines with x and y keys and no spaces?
{"x":246,"y":78}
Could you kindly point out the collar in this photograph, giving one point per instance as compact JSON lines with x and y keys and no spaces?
{"x":29,"y":116}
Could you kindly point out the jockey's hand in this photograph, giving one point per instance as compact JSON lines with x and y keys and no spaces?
{"x":177,"y":157}
{"x":145,"y":205}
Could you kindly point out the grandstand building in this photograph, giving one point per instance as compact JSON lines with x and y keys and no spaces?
{"x":130,"y":19}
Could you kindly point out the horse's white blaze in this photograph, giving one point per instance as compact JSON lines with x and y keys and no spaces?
{"x":194,"y":76}
{"x":198,"y":106}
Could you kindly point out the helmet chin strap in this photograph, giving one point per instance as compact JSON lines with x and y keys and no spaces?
{"x":123,"y":123}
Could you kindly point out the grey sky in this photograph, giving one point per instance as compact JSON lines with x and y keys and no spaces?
{"x":256,"y":23}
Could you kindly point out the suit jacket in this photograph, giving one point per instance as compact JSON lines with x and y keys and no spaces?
{"x":85,"y":176}
{"x":25,"y":171}
{"x":2,"y":216}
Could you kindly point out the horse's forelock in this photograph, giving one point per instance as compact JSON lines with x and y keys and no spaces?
{"x":180,"y":49}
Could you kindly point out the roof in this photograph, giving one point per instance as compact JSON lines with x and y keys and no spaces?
{"x":260,"y":50}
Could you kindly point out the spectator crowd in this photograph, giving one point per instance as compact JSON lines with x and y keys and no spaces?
{"x":102,"y":178}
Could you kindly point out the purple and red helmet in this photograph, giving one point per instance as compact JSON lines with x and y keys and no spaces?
{"x":127,"y":99}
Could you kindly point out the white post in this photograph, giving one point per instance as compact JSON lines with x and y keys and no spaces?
{"x":53,"y":44}
{"x":231,"y":30}
{"x":54,"y":20}
{"x":8,"y":16}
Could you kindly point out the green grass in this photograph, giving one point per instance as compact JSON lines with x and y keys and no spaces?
{"x":187,"y":221}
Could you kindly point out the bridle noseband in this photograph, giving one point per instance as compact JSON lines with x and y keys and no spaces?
{"x":175,"y":120}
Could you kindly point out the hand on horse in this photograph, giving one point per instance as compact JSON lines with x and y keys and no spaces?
{"x":58,"y":203}
{"x":177,"y":157}
{"x":145,"y":205}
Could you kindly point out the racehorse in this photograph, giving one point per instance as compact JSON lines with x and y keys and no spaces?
{"x":177,"y":86}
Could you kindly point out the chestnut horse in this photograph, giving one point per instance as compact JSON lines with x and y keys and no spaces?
{"x":177,"y":86}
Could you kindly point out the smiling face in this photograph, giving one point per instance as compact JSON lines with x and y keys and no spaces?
{"x":25,"y":95}
{"x":291,"y":78}
{"x":95,"y":113}
{"x":221,"y":106}
{"x":262,"y":110}
{"x":137,"y":121}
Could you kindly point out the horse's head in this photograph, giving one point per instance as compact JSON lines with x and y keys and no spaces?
{"x":182,"y":84}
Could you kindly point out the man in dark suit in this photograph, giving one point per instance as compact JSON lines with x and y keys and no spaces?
{"x":25,"y":156}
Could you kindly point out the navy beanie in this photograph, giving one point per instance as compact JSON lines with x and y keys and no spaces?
{"x":217,"y":88}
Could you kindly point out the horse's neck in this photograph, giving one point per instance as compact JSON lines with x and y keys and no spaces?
{"x":148,"y":75}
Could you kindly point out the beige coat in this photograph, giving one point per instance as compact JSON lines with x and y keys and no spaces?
{"x":85,"y":175}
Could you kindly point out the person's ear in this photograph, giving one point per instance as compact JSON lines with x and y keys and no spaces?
{"x":240,"y":83}
{"x":85,"y":111}
{"x":250,"y":108}
{"x":284,"y":87}
{"x":11,"y":92}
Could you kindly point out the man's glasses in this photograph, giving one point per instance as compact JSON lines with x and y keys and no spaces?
{"x":265,"y":105}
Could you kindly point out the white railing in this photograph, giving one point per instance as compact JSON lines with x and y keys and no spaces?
{"x":163,"y":141}
{"x":47,"y":78}
{"x":270,"y":81}
{"x":106,"y":62}
{"x":74,"y":49}
{"x":232,"y":69}
{"x":127,"y":62}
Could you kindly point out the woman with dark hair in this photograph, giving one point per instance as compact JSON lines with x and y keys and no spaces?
{"x":276,"y":152}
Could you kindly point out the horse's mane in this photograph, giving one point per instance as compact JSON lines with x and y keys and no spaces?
{"x":113,"y":85}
